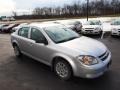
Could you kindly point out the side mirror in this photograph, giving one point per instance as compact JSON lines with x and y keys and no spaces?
{"x":45,"y":42}
{"x":37,"y":41}
{"x":111,"y":24}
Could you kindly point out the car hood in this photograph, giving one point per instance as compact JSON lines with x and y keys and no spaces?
{"x":17,"y":27}
{"x":115,"y":26}
{"x":91,"y":26}
{"x":85,"y":46}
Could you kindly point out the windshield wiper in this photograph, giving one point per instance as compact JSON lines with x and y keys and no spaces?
{"x":61,"y":41}
{"x":67,"y":39}
{"x":72,"y":38}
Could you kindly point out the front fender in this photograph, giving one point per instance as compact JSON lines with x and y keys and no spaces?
{"x":69,"y":59}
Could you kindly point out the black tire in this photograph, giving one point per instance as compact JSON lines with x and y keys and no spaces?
{"x":64,"y":72}
{"x":101,"y":32}
{"x":17,"y":51}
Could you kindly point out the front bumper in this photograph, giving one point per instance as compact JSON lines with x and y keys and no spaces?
{"x":91,"y":32}
{"x":93,"y":71}
{"x":117,"y":33}
{"x":98,"y":72}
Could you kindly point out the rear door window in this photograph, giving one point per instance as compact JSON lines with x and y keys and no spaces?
{"x":23,"y":32}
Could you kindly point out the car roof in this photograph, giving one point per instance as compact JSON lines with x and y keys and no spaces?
{"x":44,"y":24}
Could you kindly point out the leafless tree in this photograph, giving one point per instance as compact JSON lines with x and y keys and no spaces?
{"x":76,"y":9}
{"x":14,"y":13}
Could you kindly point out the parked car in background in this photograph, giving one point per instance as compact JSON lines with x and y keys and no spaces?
{"x":17,"y":27}
{"x":64,"y":50}
{"x":2,"y":26}
{"x":115,"y":27}
{"x":74,"y":25}
{"x":8,"y":19}
{"x":92,"y":27}
{"x":7,"y":29}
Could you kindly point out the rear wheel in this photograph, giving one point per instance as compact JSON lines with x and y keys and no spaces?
{"x":17,"y":51}
{"x":63,"y":69}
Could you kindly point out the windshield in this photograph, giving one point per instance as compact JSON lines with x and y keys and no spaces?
{"x":61,"y":34}
{"x":93,"y":23}
{"x":116,"y":23}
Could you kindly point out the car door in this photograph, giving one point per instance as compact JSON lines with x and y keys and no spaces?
{"x":23,"y":40}
{"x":39,"y":46}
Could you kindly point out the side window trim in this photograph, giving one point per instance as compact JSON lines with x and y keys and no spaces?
{"x":28,"y":32}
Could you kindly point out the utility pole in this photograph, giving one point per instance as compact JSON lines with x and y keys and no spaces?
{"x":87,"y":9}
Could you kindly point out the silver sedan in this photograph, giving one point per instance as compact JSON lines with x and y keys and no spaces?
{"x":66,"y":52}
{"x":115,"y":27}
{"x":92,"y":27}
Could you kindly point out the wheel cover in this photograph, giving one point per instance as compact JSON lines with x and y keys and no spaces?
{"x":62,"y":69}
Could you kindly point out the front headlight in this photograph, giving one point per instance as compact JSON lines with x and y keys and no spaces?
{"x":87,"y":60}
{"x":114,"y":29}
{"x":83,"y":29}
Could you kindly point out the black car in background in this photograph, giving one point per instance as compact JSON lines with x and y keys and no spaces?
{"x":74,"y":25}
{"x":8,"y":28}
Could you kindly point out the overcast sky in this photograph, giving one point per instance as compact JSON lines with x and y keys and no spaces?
{"x":26,"y":6}
{"x":23,"y":6}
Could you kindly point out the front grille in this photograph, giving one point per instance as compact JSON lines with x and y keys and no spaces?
{"x":89,"y":28}
{"x":104,"y":56}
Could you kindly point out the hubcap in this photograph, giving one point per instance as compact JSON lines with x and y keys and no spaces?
{"x":61,"y":69}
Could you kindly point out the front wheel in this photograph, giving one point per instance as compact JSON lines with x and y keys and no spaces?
{"x":63,"y":69}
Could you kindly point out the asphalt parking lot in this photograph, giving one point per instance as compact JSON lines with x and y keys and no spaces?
{"x":27,"y":74}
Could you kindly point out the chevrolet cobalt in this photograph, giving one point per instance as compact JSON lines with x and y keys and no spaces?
{"x":65,"y":51}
